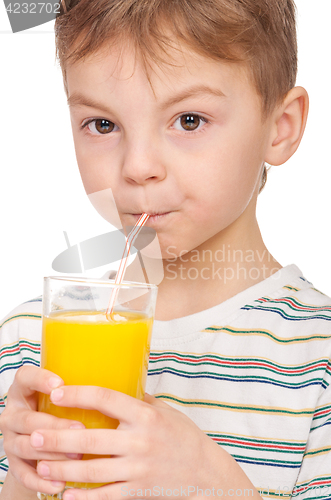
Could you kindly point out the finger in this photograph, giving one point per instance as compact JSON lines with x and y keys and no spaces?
{"x":28,"y":421}
{"x":89,"y":441}
{"x":29,"y":477}
{"x":110,"y":491}
{"x":29,"y":379}
{"x":156,"y":401}
{"x":21,"y":447}
{"x":99,"y":470}
{"x":111,"y":403}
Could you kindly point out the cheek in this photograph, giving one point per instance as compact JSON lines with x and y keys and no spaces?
{"x":89,"y":174}
{"x":225,"y":179}
{"x":94,"y":165}
{"x":85,"y":165}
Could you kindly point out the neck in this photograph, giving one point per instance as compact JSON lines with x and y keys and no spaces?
{"x":215,"y":271}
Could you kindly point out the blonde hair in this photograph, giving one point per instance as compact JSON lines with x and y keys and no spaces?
{"x":259,"y":33}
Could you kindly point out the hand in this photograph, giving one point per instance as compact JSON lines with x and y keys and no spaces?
{"x":20,"y":418}
{"x":153,"y":446}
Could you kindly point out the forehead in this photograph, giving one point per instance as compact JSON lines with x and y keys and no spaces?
{"x":117,"y":69}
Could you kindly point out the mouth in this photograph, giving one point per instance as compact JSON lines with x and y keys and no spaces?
{"x":154,"y":217}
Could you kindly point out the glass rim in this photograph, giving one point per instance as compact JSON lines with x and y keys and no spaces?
{"x":123,"y":284}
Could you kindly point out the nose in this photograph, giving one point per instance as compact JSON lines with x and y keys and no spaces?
{"x":142,"y":162}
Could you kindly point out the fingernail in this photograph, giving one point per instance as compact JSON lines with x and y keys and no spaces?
{"x":54,"y":382}
{"x":77,"y":426}
{"x":74,"y":456}
{"x":56,"y":395}
{"x":37,"y":440}
{"x":43,"y":470}
{"x":68,"y":496}
{"x":57,"y":484}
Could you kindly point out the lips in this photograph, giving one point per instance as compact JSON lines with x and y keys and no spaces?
{"x":155,"y":218}
{"x":153,"y":214}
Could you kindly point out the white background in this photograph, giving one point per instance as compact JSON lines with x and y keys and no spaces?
{"x":41,"y":194}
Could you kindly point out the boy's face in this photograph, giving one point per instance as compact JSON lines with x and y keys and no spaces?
{"x":198,"y":160}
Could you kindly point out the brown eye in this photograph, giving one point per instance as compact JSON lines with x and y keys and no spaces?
{"x":103,"y":126}
{"x":190,"y":122}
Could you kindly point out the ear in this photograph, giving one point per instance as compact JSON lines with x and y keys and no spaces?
{"x":287,"y":126}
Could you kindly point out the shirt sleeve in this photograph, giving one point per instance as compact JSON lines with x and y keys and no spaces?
{"x":20,"y":337}
{"x":314,"y":479}
{"x":3,"y":458}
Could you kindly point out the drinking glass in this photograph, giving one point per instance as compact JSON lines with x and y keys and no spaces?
{"x":84,"y":346}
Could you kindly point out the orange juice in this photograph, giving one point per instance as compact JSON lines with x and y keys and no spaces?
{"x":84,"y":348}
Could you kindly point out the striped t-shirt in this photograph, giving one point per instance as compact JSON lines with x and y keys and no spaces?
{"x":253,"y":373}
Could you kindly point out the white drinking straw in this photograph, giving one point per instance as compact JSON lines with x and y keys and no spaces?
{"x":121,"y":270}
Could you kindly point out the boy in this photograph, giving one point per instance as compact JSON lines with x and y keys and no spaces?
{"x":176,"y":106}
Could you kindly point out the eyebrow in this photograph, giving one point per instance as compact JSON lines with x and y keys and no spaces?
{"x":77,"y":99}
